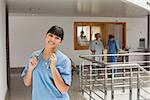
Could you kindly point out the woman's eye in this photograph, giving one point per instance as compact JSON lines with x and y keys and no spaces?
{"x":57,"y":37}
{"x":50,"y":35}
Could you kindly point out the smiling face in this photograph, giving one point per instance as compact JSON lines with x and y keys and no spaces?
{"x":52,"y":41}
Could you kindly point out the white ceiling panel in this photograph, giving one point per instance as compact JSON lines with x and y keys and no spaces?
{"x":88,"y":8}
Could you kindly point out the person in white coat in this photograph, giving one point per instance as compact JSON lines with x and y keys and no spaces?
{"x":97,"y":47}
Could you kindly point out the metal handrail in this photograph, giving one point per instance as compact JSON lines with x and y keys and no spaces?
{"x":126,"y":54}
{"x":138,"y":82}
{"x":120,"y":65}
{"x":111,"y":66}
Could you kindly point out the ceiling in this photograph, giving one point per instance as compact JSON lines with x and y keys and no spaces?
{"x":87,"y":8}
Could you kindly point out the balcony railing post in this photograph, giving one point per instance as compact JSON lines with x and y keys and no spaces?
{"x":112,"y":83}
{"x":80,"y":80}
{"x":90,"y":82}
{"x":130,"y":84}
{"x":81,"y":76}
{"x":105,"y":83}
{"x":124,"y":72}
{"x":138,"y":84}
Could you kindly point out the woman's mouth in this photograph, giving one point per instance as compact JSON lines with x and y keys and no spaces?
{"x":51,"y":43}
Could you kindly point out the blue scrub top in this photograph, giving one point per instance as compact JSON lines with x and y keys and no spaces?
{"x":113,"y":47}
{"x":43,"y":87}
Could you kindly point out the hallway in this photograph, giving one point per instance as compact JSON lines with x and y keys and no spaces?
{"x":23,"y":24}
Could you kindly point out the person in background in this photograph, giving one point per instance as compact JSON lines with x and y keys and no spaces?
{"x":113,"y":48}
{"x":49,"y":70}
{"x":97,"y":47}
{"x":82,"y":39}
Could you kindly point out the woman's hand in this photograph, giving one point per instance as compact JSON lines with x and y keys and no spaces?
{"x":33,"y":62}
{"x":53,"y":60}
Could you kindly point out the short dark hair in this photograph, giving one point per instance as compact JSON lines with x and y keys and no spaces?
{"x":111,"y":36}
{"x":82,"y":32}
{"x":96,"y":34}
{"x":56,"y":30}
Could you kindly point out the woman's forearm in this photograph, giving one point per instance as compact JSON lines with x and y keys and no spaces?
{"x":59,"y":82}
{"x":28,"y":77}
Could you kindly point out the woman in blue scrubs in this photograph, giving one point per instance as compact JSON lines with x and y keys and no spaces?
{"x":113,"y":48}
{"x":48,"y":69}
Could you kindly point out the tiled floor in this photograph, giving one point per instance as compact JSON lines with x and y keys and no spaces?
{"x":19,"y":92}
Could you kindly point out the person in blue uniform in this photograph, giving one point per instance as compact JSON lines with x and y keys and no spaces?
{"x":113,"y":48}
{"x":49,"y":70}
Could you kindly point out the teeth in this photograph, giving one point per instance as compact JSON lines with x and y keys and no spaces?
{"x":51,"y":43}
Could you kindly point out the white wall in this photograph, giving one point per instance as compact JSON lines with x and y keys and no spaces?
{"x":27,"y":34}
{"x":136,"y":28}
{"x":3,"y":75}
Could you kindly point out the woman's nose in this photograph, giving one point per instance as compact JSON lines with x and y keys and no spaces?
{"x":52,"y":39}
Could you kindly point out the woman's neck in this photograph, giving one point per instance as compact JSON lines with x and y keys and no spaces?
{"x":48,"y":51}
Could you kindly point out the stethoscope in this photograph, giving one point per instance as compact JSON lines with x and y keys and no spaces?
{"x":96,"y":43}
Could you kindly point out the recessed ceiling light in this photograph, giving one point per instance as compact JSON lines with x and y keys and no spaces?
{"x":34,"y":9}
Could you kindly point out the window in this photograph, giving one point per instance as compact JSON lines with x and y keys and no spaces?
{"x":84,"y":33}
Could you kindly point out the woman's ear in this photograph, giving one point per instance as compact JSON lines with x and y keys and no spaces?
{"x":61,"y":41}
{"x":45,"y":34}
